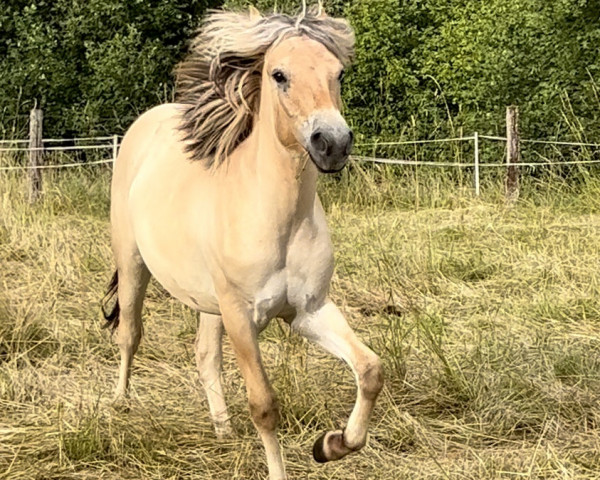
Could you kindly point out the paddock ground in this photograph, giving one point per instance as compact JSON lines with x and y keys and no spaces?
{"x":486,"y":316}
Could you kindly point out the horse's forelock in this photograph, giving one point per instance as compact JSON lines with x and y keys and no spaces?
{"x":219,"y":81}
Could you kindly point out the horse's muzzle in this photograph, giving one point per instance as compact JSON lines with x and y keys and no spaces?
{"x":329,"y":147}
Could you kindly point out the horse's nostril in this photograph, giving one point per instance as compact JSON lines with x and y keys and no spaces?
{"x":318,"y":141}
{"x":350,"y":142}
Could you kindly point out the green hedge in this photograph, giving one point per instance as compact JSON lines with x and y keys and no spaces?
{"x":424,"y":68}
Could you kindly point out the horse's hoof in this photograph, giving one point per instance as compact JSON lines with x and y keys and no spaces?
{"x":330,"y":447}
{"x":121,"y":404}
{"x":318,"y":452}
{"x":224,"y":433}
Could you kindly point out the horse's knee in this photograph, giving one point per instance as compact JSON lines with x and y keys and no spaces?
{"x":265,"y":413}
{"x":371,"y":378}
{"x":205,"y":355}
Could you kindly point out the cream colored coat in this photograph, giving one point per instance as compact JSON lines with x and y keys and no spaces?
{"x":243,"y":243}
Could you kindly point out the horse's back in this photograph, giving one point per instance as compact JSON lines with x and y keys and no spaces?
{"x":138,"y":148}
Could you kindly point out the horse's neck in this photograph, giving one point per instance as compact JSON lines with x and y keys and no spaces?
{"x":283,"y":181}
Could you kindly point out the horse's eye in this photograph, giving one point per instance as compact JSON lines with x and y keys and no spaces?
{"x":341,"y":76}
{"x":279,"y":77}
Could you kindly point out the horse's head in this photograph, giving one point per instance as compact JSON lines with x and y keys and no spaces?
{"x":244,"y":65}
{"x":301,"y":84}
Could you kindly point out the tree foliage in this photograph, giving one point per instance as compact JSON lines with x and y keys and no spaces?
{"x":424,"y":68}
{"x":428,"y":68}
{"x":93,"y":65}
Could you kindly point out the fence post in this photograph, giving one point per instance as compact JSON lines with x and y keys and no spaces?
{"x":115,"y":147}
{"x":36,"y":119}
{"x":513,"y":153}
{"x":476,"y":169}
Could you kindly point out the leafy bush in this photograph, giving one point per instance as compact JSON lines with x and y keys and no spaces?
{"x":424,"y":68}
{"x":93,"y":66}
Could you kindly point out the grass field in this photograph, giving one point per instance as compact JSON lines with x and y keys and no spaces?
{"x":487,"y":319}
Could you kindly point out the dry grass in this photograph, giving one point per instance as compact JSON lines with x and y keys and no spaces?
{"x":487,"y":319}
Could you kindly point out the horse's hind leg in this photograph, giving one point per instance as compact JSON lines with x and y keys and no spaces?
{"x":209,"y":360}
{"x":133,"y":277}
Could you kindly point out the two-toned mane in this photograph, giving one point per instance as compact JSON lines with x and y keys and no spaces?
{"x":219,"y":81}
{"x":245,"y":241}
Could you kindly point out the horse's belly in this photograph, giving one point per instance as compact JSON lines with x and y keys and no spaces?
{"x":196,"y":291}
{"x":187,"y":279}
{"x":168,"y":230}
{"x":174,"y":257}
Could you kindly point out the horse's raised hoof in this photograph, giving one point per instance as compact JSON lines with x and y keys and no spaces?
{"x":318,"y":452}
{"x":330,"y":447}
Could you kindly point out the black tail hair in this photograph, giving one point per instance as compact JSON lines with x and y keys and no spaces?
{"x":111,"y":316}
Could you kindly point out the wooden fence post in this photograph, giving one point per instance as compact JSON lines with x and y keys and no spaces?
{"x":36,"y":119}
{"x":513,"y":153}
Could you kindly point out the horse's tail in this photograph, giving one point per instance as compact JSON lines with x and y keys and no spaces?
{"x":111,"y":315}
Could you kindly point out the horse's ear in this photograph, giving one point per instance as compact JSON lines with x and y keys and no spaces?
{"x":317,"y":11}
{"x":321,"y":10}
{"x":254,"y":13}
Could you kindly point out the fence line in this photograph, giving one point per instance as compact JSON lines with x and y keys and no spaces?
{"x":79,"y":139}
{"x":13,"y":141}
{"x":60,"y":140}
{"x":513,"y":157}
{"x":540,"y":164}
{"x":416,"y":142}
{"x":574,"y":144}
{"x":368,"y":144}
{"x":63,"y":165}
{"x":491,"y":137}
{"x":394,"y":161}
{"x":543,"y":142}
{"x":391,"y":161}
{"x":70,"y":147}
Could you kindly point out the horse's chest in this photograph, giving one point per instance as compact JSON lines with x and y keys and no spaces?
{"x":301,"y":286}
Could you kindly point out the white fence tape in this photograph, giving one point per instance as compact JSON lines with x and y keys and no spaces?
{"x":394,"y":161}
{"x":415,"y":142}
{"x":63,"y":165}
{"x":544,"y":142}
{"x":60,"y":140}
{"x":390,"y":161}
{"x":70,"y":147}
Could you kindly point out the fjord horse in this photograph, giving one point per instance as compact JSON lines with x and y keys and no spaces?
{"x":215,"y":196}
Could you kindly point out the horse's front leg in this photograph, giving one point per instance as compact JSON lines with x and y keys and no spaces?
{"x":264,"y":408}
{"x":328,"y":328}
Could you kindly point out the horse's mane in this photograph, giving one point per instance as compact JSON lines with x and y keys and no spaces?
{"x":219,"y":81}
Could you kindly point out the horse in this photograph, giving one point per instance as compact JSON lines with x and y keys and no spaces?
{"x":215,"y":197}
